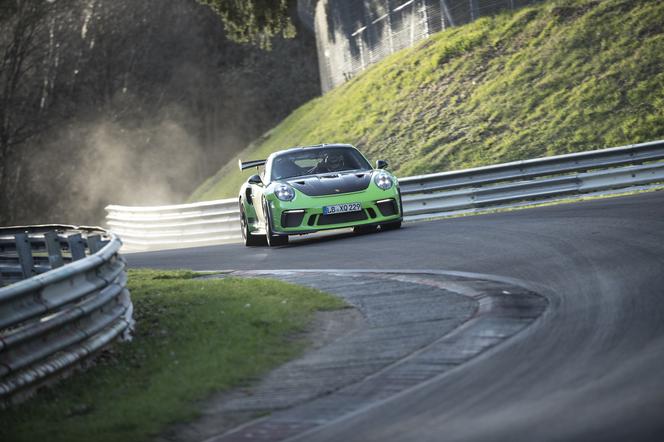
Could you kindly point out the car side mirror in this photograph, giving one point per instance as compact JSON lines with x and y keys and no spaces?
{"x":255,"y":179}
{"x":381,"y":164}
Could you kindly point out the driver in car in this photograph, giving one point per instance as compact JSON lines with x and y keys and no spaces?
{"x":332,"y":162}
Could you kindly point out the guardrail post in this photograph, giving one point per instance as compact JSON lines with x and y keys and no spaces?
{"x":24,"y":251}
{"x":95,"y":244}
{"x":53,"y":320}
{"x":54,"y":249}
{"x":76,"y":246}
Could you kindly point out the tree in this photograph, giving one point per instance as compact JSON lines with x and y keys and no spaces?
{"x":130,"y":102}
{"x":24,"y":46}
{"x":255,"y":22}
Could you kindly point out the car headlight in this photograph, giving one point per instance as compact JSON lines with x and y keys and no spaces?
{"x":383,"y":180}
{"x":284,"y":192}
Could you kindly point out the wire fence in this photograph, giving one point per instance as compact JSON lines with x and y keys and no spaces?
{"x":353,"y":34}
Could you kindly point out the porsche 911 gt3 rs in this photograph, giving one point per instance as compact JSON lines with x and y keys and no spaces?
{"x":307,"y":189}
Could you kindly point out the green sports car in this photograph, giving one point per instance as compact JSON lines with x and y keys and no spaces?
{"x":308,"y":189}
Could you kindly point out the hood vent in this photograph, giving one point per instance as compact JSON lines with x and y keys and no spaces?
{"x":332,"y":184}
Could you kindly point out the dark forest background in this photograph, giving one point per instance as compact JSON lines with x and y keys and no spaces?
{"x":136,"y":101}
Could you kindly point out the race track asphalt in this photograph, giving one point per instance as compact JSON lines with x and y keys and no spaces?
{"x":591,"y":368}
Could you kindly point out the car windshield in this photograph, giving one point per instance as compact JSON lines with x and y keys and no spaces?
{"x":314,"y":161}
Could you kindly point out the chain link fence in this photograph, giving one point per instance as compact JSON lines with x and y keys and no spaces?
{"x":353,"y":34}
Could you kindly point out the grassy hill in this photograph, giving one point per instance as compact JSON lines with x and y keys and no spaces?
{"x":559,"y":77}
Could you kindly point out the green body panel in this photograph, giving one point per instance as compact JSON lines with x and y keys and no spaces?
{"x":262,"y":208}
{"x":313,"y":205}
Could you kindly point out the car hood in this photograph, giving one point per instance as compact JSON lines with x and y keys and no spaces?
{"x":334,"y":183}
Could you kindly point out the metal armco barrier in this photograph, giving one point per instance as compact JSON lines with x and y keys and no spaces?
{"x":441,"y":194}
{"x":182,"y":225}
{"x":65,"y":300}
{"x":424,"y":196}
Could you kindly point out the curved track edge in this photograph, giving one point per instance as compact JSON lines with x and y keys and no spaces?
{"x":501,"y":309}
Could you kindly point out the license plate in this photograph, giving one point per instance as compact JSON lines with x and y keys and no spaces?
{"x":342,"y":208}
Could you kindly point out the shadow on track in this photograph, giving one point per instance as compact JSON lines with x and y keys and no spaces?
{"x":328,"y":236}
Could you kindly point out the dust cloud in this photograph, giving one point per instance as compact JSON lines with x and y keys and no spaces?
{"x":148,"y":165}
{"x":144,"y":103}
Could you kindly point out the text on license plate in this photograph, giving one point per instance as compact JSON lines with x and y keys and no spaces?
{"x":342,"y":208}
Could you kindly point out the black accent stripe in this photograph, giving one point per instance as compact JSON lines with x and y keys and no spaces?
{"x":332,"y":183}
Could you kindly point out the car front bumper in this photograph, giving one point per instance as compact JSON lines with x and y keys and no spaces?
{"x":305,"y":214}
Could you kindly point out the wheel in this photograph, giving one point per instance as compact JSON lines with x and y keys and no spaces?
{"x":247,"y":237}
{"x":365,"y":229}
{"x":272,"y":239}
{"x":391,"y":226}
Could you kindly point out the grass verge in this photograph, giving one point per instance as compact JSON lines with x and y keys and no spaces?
{"x":193,"y":337}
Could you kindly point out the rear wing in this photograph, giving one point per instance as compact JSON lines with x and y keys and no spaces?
{"x":249,"y":164}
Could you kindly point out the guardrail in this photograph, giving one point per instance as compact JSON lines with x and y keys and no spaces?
{"x":181,"y":225}
{"x":65,"y":299}
{"x":424,"y":196}
{"x":441,"y":194}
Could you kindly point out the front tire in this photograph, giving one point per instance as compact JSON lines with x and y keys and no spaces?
{"x":272,"y":239}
